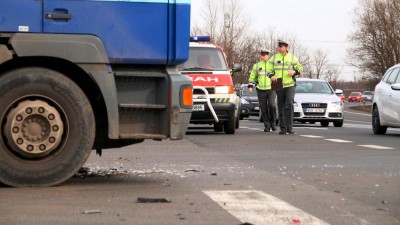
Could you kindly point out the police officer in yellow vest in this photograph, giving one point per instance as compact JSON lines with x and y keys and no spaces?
{"x":266,"y":96}
{"x":283,"y":68}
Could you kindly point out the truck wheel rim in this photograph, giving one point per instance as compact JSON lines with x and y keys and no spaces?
{"x":34,"y":128}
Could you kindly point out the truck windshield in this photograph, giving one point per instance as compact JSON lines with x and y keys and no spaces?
{"x":203,"y":58}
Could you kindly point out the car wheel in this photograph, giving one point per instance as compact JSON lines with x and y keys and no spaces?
{"x":218,"y":127}
{"x":324,"y":123}
{"x":376,"y":124}
{"x":338,"y":123}
{"x":237,"y":122}
{"x":229,"y":126}
{"x":48,"y":127}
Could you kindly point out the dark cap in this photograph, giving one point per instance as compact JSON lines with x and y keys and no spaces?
{"x":264,"y":51}
{"x":282,"y":42}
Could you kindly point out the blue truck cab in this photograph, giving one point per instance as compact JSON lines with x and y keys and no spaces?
{"x":77,"y":75}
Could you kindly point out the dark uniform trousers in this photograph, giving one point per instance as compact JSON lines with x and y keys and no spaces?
{"x":267,"y":100}
{"x":285,"y":108}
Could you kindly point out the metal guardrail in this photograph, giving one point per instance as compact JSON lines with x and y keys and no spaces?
{"x":206,"y":100}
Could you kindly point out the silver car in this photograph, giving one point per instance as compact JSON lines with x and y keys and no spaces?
{"x":386,"y":101}
{"x":315,"y":101}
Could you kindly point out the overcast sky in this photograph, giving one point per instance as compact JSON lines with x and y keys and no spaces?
{"x":322,"y":24}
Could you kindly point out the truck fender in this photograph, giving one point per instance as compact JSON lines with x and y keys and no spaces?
{"x":74,"y":48}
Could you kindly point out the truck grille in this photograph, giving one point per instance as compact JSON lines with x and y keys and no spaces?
{"x":200,"y":92}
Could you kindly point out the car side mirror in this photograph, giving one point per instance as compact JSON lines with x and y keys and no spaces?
{"x":395,"y":87}
{"x":236,"y":67}
{"x":338,"y":91}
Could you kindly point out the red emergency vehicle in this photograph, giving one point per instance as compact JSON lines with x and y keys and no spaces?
{"x":214,"y":99}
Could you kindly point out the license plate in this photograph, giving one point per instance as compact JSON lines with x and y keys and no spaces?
{"x":198,"y":108}
{"x":314,"y":110}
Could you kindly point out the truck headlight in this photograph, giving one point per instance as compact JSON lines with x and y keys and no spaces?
{"x":224,"y":90}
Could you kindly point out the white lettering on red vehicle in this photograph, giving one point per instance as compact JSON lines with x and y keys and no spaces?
{"x":207,"y":79}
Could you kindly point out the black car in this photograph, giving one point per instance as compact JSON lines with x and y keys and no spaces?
{"x":249,"y":103}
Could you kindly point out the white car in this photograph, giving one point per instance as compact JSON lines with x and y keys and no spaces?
{"x":315,"y":101}
{"x":386,"y":101}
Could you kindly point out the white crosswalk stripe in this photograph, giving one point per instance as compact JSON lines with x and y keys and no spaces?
{"x":312,"y":136}
{"x":376,"y":146}
{"x":338,"y":140}
{"x":259,"y":208}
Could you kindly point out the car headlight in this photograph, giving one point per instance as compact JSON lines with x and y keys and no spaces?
{"x":223,"y":90}
{"x":244,"y":101}
{"x":339,"y":103}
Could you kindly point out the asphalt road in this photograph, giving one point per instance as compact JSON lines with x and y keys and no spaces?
{"x":320,"y":175}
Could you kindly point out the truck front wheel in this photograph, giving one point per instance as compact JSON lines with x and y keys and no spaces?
{"x":229,"y":125}
{"x":47,"y":127}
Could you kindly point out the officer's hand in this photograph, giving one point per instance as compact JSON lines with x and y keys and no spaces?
{"x":250,"y":90}
{"x":273,"y":79}
{"x":292,"y":72}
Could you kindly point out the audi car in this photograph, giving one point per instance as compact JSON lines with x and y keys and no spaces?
{"x":316,"y":101}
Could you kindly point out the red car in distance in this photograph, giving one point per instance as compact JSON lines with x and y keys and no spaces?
{"x":355,"y":97}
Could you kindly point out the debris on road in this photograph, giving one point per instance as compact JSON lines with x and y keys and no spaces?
{"x":153,"y":200}
{"x":213,"y":174}
{"x":192,"y":170}
{"x":92,"y":211}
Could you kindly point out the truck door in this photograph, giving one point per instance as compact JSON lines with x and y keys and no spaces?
{"x":21,"y":16}
{"x":131,"y":31}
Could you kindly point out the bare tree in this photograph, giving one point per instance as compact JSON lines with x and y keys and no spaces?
{"x":376,"y":42}
{"x":230,"y":28}
{"x":319,"y":63}
{"x":332,"y":75}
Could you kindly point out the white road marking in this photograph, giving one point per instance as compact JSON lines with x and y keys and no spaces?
{"x":338,"y":140}
{"x":252,"y":128}
{"x":364,"y":114}
{"x":312,"y":128}
{"x":376,"y":147}
{"x":257,"y":207}
{"x":255,"y":129}
{"x":311,"y":136}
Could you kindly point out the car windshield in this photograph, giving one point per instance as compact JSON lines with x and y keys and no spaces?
{"x":245,"y":92}
{"x":355,"y":93}
{"x":319,"y":87}
{"x":202,"y":58}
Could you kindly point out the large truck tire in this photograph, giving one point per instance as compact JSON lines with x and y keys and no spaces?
{"x":47,"y":127}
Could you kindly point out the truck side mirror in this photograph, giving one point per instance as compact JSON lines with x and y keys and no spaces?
{"x":236,"y":67}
